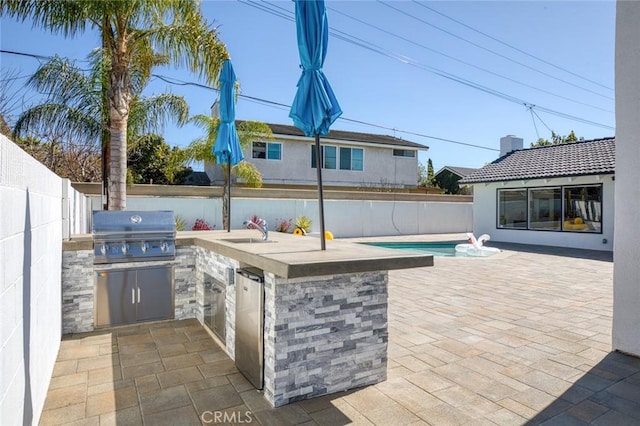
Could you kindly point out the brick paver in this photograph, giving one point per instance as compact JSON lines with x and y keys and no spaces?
{"x":522,"y":337}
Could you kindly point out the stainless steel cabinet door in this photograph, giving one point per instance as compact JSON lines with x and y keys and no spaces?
{"x":115,"y":297}
{"x":219,"y":312}
{"x":154,"y":293}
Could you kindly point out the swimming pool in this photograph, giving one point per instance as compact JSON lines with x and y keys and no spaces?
{"x":440,"y":248}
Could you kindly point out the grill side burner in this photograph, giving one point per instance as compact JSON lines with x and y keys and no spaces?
{"x":133,"y":236}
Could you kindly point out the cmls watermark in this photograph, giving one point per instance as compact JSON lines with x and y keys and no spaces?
{"x":235,"y":417}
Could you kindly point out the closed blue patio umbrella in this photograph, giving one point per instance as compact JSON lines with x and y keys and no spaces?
{"x":227,"y":146}
{"x":315,"y":106}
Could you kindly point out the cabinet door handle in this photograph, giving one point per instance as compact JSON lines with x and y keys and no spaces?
{"x":133,"y":296}
{"x":138,"y":294}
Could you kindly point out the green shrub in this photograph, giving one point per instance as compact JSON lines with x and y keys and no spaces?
{"x":303,"y":222}
{"x":180,"y":222}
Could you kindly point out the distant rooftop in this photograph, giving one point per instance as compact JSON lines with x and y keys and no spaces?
{"x":460,"y":171}
{"x":582,"y":158}
{"x":342,"y":135}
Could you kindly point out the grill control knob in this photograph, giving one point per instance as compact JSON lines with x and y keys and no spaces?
{"x":164,"y":246}
{"x":104,"y":249}
{"x":144,"y":247}
{"x":125,"y":248}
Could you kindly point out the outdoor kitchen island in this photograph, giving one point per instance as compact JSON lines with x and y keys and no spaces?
{"x":325,"y":312}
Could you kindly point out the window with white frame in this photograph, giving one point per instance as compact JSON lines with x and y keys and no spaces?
{"x":352,"y":159}
{"x":266,"y":150}
{"x":329,"y":156}
{"x":404,"y":153}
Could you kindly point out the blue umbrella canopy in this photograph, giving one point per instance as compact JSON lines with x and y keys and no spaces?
{"x":315,"y":106}
{"x":227,"y":146}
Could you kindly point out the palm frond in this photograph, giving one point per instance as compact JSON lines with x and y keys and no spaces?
{"x":201,"y":149}
{"x":187,"y":39}
{"x":151,"y":114}
{"x":249,"y":173}
{"x":64,"y":83}
{"x":58,"y":119}
{"x":61,"y":17}
{"x":249,"y":131}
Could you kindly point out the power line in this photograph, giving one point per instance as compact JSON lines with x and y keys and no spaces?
{"x":30,"y":55}
{"x":467,"y":63}
{"x":409,"y":61}
{"x":512,"y":46}
{"x":545,"y":124}
{"x":534,"y":122}
{"x":351,"y":120}
{"x":493,"y":51}
{"x":178,"y":82}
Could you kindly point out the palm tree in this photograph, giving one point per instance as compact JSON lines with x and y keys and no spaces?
{"x":131,"y":31}
{"x":201,"y":149}
{"x":74,"y":106}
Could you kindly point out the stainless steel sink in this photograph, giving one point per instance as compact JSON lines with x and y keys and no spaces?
{"x":247,"y":240}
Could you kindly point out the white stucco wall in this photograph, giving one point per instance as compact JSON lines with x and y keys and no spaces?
{"x":30,"y":273}
{"x":295,"y":167}
{"x":343,"y":218}
{"x":485,"y":206}
{"x":626,"y":269}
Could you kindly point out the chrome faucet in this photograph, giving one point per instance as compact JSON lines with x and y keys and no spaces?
{"x":260,"y":226}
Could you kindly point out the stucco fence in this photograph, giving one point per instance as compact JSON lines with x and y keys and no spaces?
{"x":37,"y":210}
{"x":347,"y":213}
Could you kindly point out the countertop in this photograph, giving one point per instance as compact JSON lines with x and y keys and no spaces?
{"x":287,"y":255}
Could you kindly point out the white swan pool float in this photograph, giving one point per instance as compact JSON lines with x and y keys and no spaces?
{"x":476,"y":247}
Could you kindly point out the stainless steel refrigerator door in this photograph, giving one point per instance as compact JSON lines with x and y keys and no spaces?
{"x":249,"y":329}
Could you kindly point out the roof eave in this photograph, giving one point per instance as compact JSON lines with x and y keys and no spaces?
{"x":514,"y":179}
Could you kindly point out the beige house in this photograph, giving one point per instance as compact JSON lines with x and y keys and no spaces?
{"x":350,"y":159}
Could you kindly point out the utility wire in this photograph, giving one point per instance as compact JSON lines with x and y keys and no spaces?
{"x":30,"y":55}
{"x":545,"y":124}
{"x":279,"y":105}
{"x":409,"y":61}
{"x":493,"y":51}
{"x":512,"y":46}
{"x":467,"y":63}
{"x":534,"y":121}
{"x":350,"y":120}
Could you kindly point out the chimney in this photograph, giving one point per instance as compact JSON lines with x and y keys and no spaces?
{"x":510,"y":143}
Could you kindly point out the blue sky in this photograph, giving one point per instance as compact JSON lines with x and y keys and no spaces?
{"x":392,"y":75}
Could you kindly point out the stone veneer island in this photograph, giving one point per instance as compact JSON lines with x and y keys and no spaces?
{"x":325,"y":312}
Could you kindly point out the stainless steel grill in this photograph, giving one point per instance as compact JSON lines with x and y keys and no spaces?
{"x":133,"y":236}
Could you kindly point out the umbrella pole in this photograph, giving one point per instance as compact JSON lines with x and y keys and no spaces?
{"x":228,"y":197}
{"x":319,"y":163}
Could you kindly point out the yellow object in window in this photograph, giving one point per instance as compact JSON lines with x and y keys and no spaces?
{"x":328,"y":235}
{"x":299,"y":231}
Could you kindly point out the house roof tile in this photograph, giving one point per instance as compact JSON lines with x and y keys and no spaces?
{"x":573,"y":159}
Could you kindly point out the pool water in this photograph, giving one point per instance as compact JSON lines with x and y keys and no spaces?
{"x":440,"y":249}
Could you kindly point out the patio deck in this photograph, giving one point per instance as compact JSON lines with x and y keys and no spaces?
{"x":523,"y":337}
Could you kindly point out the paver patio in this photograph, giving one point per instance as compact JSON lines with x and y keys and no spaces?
{"x":523,"y":337}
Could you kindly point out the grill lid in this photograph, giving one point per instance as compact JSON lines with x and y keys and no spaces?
{"x":106,"y":223}
{"x":133,"y":236}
